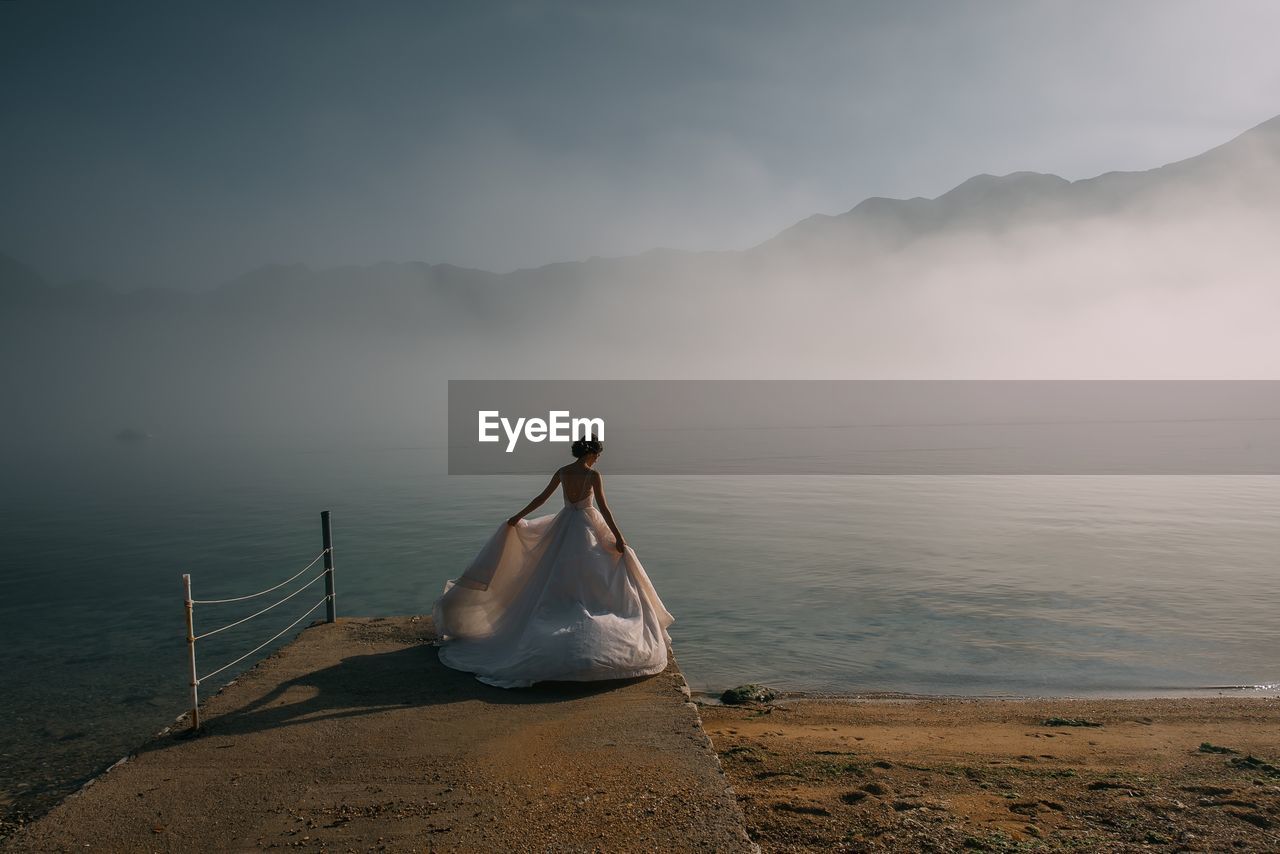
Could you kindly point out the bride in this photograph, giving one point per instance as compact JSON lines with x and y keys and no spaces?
{"x":558,"y":597}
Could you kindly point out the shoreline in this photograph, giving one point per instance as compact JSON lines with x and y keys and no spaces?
{"x":1267,"y":692}
{"x":23,"y":808}
{"x":1004,"y":774}
{"x":1208,"y":708}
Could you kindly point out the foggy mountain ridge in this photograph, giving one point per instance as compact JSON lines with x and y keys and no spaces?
{"x":1228,"y":173}
{"x":1166,"y":273}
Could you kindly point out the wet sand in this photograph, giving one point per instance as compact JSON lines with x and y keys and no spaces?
{"x":1005,"y":775}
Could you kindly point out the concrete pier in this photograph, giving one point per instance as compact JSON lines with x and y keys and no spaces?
{"x":355,"y":738}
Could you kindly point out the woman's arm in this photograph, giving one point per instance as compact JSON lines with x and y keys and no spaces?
{"x":537,"y":500}
{"x":598,"y":482}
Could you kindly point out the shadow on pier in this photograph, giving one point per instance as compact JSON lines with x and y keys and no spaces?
{"x":355,"y":736}
{"x":372,"y":684}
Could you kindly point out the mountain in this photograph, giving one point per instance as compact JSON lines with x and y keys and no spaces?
{"x":1246,"y":169}
{"x":1156,"y":274}
{"x":1243,"y":171}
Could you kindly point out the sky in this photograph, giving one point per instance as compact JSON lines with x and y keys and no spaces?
{"x":181,"y":145}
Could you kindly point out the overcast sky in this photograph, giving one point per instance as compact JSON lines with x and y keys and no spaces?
{"x":182,"y":144}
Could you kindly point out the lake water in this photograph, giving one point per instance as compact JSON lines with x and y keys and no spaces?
{"x":955,"y":585}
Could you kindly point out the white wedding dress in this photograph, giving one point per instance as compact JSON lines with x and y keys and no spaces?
{"x":553,"y":599}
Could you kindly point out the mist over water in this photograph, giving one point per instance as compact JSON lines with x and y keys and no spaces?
{"x":1156,"y":275}
{"x":983,"y":585}
{"x":153,"y":433}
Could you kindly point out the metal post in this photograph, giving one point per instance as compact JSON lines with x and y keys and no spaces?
{"x":331,"y":604}
{"x":191,"y":653}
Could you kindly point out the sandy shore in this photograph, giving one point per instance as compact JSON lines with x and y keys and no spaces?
{"x":1004,"y":775}
{"x":415,"y":751}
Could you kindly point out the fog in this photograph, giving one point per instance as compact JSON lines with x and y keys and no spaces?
{"x":1165,"y":274}
{"x":165,"y":146}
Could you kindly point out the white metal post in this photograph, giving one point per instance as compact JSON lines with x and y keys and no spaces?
{"x":191,"y":652}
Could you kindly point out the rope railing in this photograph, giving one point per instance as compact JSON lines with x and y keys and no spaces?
{"x":314,"y":561}
{"x":329,"y":598}
{"x":264,"y":643}
{"x":213,"y":632}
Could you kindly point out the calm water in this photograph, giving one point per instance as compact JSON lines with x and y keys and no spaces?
{"x":1013,"y":585}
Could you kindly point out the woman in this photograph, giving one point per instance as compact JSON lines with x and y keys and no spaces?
{"x":559,"y":597}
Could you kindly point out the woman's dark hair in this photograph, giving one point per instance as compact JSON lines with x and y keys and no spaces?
{"x":589,"y":445}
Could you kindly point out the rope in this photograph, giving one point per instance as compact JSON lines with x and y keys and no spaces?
{"x":260,"y":592}
{"x":263,"y":611}
{"x":264,"y":643}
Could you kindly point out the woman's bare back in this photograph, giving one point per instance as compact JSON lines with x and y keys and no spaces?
{"x":577,"y":481}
